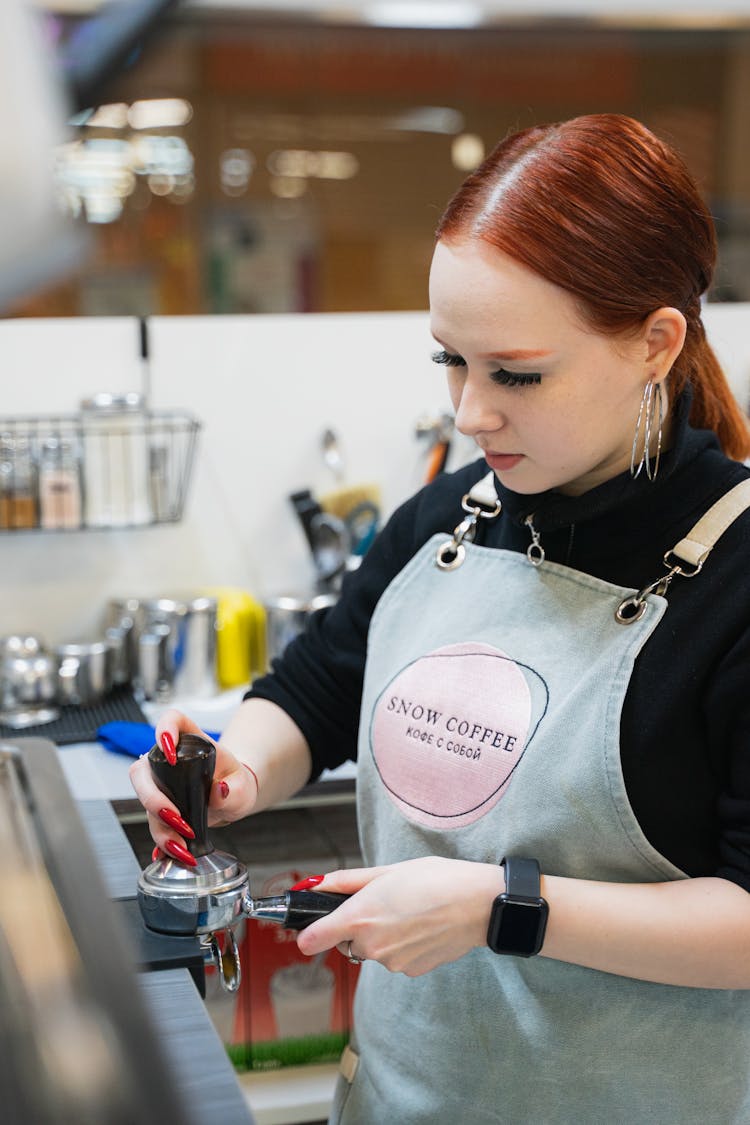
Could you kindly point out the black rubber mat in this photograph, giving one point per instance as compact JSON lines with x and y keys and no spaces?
{"x":80,"y":724}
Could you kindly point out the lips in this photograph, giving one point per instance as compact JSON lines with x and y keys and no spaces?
{"x":502,"y":462}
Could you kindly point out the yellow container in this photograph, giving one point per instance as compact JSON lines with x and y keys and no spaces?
{"x":240,"y":636}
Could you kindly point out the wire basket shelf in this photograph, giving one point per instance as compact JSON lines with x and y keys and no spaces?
{"x":72,"y":472}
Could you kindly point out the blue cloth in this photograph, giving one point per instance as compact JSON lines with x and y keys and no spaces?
{"x":131,"y":738}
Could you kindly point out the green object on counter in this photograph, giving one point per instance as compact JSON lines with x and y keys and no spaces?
{"x":277,"y":1053}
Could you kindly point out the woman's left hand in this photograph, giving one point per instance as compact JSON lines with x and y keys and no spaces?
{"x":410,"y":916}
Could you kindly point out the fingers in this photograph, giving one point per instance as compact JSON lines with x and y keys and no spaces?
{"x":166,"y":824}
{"x":410,"y":916}
{"x":169,"y":748}
{"x":349,"y":880}
{"x":171,"y":725}
{"x":173,"y":819}
{"x":234,"y":791}
{"x":343,"y":924}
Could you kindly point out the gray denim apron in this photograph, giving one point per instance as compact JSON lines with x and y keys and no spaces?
{"x":490,"y":724}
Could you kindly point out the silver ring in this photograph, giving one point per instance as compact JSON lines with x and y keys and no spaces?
{"x":351,"y":958}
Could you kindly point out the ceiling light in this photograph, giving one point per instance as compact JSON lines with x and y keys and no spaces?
{"x":159,"y":113}
{"x":235,"y":169}
{"x":301,"y":163}
{"x":426,"y":119}
{"x":113,"y":116}
{"x":467,"y":152}
{"x":287,"y":187}
{"x":418,"y":13}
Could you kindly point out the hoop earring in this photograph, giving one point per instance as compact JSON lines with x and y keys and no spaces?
{"x":652,"y":400}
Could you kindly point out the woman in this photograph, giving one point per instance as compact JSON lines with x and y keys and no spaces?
{"x":556,"y":695}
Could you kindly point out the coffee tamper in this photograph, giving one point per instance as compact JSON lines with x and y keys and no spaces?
{"x":213,"y":896}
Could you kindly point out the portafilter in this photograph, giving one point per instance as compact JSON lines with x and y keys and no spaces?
{"x":214,"y":896}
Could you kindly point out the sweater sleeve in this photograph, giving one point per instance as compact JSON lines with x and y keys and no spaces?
{"x":318,"y":680}
{"x":729,"y":706}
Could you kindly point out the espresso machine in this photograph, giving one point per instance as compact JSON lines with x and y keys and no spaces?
{"x":210,"y":899}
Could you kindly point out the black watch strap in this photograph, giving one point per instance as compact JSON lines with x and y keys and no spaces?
{"x":523,"y":878}
{"x":518,"y":919}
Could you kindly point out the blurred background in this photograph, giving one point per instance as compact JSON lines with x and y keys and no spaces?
{"x":294,"y":156}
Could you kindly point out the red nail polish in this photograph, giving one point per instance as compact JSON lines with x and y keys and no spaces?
{"x":178,"y":851}
{"x":174,"y":820}
{"x":308,"y":883}
{"x":156,"y":854}
{"x":168,"y":748}
{"x":224,"y":790}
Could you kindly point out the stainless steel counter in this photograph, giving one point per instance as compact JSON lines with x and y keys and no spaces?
{"x":86,"y":1033}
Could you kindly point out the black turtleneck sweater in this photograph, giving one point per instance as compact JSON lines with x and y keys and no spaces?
{"x":685,"y":728}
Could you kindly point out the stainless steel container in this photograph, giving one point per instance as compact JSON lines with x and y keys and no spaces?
{"x":185,"y":656}
{"x":155,"y":671}
{"x":287,"y":616}
{"x":85,"y":671}
{"x":124,"y":616}
{"x":28,"y":682}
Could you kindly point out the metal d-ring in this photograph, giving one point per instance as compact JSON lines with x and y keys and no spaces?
{"x":227,"y":964}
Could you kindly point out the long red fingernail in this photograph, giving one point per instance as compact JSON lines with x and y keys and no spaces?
{"x":178,"y":851}
{"x":174,"y":820}
{"x":223,"y":789}
{"x":156,"y":854}
{"x":168,"y":748}
{"x":308,"y":883}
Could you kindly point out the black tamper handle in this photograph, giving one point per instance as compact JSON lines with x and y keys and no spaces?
{"x":305,"y":907}
{"x":295,"y":909}
{"x":188,"y":784}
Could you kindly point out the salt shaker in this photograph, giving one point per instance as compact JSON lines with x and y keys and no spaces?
{"x":59,"y":484}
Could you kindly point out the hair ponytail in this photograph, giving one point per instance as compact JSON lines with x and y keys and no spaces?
{"x":714,"y":406}
{"x":606,"y":210}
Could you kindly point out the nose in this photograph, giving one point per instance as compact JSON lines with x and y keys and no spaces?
{"x":474,"y":408}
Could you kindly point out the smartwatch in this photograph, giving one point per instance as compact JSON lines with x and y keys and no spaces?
{"x":519,"y":915}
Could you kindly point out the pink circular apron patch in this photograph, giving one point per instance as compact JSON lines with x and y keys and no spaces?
{"x":448,"y":732}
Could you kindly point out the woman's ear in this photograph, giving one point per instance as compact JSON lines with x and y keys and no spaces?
{"x":664,"y":336}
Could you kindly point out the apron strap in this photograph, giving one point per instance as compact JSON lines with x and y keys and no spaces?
{"x":700,"y":540}
{"x":692,"y":551}
{"x":484,"y":491}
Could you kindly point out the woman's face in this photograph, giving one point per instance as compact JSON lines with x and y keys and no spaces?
{"x":551,"y":403}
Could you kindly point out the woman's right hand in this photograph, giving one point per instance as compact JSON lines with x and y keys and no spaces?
{"x":233,"y":793}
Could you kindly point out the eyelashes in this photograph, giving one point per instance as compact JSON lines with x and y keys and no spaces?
{"x":514,"y":379}
{"x":448,"y":359}
{"x":503,"y":377}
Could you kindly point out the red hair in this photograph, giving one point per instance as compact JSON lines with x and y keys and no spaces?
{"x":601,"y":207}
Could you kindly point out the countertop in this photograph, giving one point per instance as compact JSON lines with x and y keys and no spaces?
{"x":200,"y":1065}
{"x":97,"y":777}
{"x":95,"y":773}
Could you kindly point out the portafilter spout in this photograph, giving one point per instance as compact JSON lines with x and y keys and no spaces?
{"x":214,"y":895}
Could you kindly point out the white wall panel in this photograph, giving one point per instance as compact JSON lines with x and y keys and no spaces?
{"x":265,"y":388}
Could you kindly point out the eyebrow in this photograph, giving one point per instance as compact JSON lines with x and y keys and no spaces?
{"x":509,"y":355}
{"x":516,"y":353}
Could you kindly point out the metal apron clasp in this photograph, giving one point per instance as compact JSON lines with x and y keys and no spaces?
{"x":633,"y":608}
{"x":450,"y":555}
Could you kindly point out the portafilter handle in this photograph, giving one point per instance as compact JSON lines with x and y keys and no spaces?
{"x":188,"y":784}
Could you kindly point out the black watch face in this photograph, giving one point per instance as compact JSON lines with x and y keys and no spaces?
{"x":518,"y":926}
